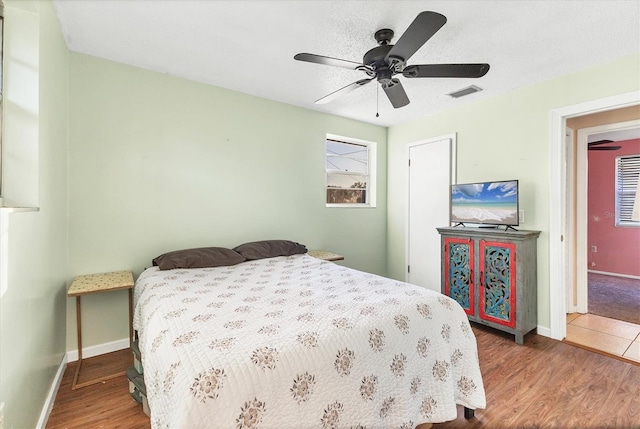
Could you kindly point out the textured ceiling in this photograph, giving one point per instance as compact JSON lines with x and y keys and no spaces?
{"x":248,"y":46}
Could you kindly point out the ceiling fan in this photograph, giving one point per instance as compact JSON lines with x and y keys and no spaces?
{"x":596,"y":145}
{"x":387,"y":60}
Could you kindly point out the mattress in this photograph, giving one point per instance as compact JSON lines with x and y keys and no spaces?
{"x":294,"y":342}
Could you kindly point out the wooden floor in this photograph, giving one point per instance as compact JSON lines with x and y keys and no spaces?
{"x":103,"y":405}
{"x":544,"y":383}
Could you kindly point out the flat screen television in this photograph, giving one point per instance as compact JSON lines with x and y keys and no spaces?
{"x":486,"y":203}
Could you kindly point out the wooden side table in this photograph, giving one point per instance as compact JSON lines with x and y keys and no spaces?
{"x":327,"y":256}
{"x":95,"y":283}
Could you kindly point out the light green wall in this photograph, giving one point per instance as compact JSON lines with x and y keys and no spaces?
{"x":33,"y":306}
{"x":505,"y":137}
{"x":158,"y":163}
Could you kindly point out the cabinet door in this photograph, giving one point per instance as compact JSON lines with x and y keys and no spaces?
{"x":459,"y":283}
{"x":498,"y":282}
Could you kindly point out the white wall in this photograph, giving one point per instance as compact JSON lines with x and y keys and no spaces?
{"x":505,"y":137}
{"x":158,"y":163}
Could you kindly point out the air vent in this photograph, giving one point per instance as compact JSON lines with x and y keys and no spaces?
{"x":464,"y":91}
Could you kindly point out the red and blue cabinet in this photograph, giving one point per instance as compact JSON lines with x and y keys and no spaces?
{"x":492,"y":275}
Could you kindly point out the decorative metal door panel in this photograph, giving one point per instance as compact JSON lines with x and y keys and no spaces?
{"x":459,"y":273}
{"x":498,"y":282}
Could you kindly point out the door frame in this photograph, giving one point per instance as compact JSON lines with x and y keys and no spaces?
{"x":452,"y":180}
{"x":570,"y":235}
{"x":559,"y":224}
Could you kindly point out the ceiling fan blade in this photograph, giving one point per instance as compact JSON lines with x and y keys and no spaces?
{"x":342,"y":91}
{"x":599,"y":142}
{"x":396,"y":94}
{"x":446,"y":70}
{"x":596,"y":145}
{"x":604,"y":147}
{"x":423,"y":27}
{"x":328,"y":61}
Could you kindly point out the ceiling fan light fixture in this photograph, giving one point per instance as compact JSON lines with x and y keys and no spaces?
{"x":465,"y":91}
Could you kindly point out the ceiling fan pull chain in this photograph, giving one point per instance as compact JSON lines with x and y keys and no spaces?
{"x":377,"y":101}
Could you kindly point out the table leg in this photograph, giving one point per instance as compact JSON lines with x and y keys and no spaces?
{"x":75,"y":385}
{"x":79,"y":328}
{"x":130,"y":317}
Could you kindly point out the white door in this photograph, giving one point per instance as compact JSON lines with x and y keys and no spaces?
{"x":430,"y":176}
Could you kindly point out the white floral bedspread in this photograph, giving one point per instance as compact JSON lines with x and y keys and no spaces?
{"x":293,"y":342}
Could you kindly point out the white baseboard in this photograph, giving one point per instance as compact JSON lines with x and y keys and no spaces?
{"x":100,"y":349}
{"x":72,"y":356}
{"x":545,"y":332}
{"x":51,"y":396}
{"x":627,"y":276}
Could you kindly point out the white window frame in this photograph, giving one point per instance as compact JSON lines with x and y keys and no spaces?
{"x":372,"y":149}
{"x":626,"y":190}
{"x":1,"y":89}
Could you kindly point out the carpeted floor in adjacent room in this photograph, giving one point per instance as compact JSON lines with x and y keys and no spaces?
{"x":614,"y":297}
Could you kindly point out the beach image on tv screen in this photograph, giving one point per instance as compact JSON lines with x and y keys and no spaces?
{"x":487,"y":203}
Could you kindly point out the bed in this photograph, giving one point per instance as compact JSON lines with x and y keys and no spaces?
{"x":294,"y":341}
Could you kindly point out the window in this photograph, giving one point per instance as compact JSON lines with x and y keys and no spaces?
{"x":627,"y":195}
{"x":350,"y":172}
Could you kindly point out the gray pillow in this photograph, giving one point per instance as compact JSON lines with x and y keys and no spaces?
{"x":198,"y":258}
{"x":269,"y":249}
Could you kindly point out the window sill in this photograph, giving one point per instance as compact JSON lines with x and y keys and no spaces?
{"x":362,"y":206}
{"x":19,"y":209}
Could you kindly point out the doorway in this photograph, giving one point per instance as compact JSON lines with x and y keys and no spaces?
{"x":594,"y":184}
{"x":559,"y":223}
{"x":431,"y":172}
{"x":602,"y":310}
